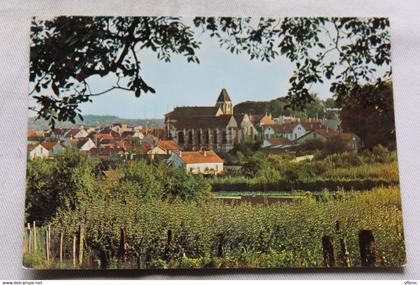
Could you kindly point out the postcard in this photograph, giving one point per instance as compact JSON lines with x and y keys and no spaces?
{"x":211,"y":142}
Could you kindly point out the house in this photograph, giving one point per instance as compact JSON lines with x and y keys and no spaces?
{"x":312,"y":124}
{"x":85,"y":144}
{"x":150,"y":140}
{"x":266,"y":120}
{"x":333,"y":120}
{"x":163,"y":148}
{"x":34,"y":137}
{"x":76,"y":133}
{"x":351,"y":140}
{"x":204,"y":162}
{"x":120,"y":127}
{"x":317,"y":134}
{"x":114,"y":153}
{"x":58,"y":133}
{"x":276,"y":145}
{"x":110,"y":132}
{"x":291,"y":131}
{"x":37,"y":150}
{"x":53,"y":147}
{"x":285,"y":119}
{"x":211,"y":127}
{"x":275,"y":142}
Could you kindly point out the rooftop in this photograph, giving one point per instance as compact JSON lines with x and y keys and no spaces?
{"x":193,"y":157}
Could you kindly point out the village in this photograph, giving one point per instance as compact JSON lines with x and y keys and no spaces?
{"x":193,"y":136}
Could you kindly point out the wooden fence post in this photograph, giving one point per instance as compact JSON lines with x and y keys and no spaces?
{"x":328,"y":251}
{"x":123,"y":244}
{"x":74,"y":250}
{"x":34,"y":236}
{"x":81,"y":241}
{"x":220,"y":248}
{"x":168,"y":246}
{"x":367,"y":247}
{"x":61,"y":247}
{"x":47,"y":247}
{"x":344,"y":253}
{"x":29,"y":237}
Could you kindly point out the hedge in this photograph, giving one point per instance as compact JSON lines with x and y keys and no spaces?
{"x":312,"y":186}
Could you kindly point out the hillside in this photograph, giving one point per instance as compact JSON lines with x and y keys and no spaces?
{"x":96,"y":120}
{"x":278,"y":107}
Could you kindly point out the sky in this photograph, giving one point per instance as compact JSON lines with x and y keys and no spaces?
{"x":179,"y":83}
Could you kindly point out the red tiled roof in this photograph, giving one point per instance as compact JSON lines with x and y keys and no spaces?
{"x":312,"y":125}
{"x":104,"y":151}
{"x":31,"y":147}
{"x":200,"y":157}
{"x":127,"y":134}
{"x":279,"y":141}
{"x":168,"y":145}
{"x":283,"y":128}
{"x":328,"y":133}
{"x":104,"y":136}
{"x":266,"y":121}
{"x":32,"y":134}
{"x":146,"y":147}
{"x":49,"y":145}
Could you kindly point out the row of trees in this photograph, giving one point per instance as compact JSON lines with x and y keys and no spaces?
{"x":259,"y":168}
{"x":74,"y":180}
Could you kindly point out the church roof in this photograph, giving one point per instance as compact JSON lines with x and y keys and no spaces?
{"x":192,"y":111}
{"x":224,"y":96}
{"x":203,"y":122}
{"x":239,"y":118}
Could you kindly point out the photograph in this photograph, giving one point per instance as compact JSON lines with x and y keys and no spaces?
{"x":168,"y":142}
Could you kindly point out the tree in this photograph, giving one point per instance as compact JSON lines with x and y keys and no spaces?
{"x":334,"y":145}
{"x":369,"y":113}
{"x":346,"y":51}
{"x":67,"y":51}
{"x":40,"y":195}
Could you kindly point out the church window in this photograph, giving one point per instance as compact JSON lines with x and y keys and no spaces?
{"x":198,"y":137}
{"x":181,"y":139}
{"x":207,"y":137}
{"x":190,"y":137}
{"x":224,"y":137}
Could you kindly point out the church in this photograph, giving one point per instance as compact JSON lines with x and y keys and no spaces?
{"x":210,"y":127}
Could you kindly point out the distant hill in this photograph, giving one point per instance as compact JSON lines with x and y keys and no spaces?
{"x":96,"y":120}
{"x":278,"y":107}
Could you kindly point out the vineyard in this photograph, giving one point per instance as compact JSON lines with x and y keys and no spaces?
{"x":148,"y":216}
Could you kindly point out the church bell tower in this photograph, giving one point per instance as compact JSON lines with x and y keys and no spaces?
{"x":224,"y":103}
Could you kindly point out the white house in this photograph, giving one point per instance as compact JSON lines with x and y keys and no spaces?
{"x":85,"y":144}
{"x":205,"y":162}
{"x":76,"y":133}
{"x":163,"y":148}
{"x":291,"y":131}
{"x":35,"y":151}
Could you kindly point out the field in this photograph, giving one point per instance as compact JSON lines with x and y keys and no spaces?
{"x":154,"y":216}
